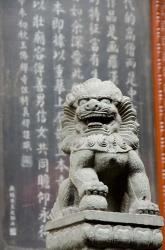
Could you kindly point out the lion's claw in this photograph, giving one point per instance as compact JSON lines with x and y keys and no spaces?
{"x":148,"y":211}
{"x":144,"y":207}
{"x":95,"y":192}
{"x":96,"y":188}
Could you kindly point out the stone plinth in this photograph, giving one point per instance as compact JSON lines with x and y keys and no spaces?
{"x":90,"y":229}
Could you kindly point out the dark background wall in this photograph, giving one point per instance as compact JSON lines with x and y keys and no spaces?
{"x":45,"y":48}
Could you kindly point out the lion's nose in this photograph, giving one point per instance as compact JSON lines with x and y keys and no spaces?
{"x":92,"y":106}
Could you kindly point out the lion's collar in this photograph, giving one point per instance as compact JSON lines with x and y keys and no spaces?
{"x":102,"y":143}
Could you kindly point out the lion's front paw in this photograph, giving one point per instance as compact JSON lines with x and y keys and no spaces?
{"x":144,"y":207}
{"x":93,"y":202}
{"x":94,"y":188}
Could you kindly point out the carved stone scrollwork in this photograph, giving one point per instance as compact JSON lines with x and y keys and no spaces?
{"x":95,"y":230}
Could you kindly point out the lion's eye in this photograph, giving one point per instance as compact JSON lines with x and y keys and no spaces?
{"x":106,"y":100}
{"x":82,"y":101}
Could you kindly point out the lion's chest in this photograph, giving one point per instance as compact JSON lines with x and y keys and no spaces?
{"x":110,"y":153}
{"x":110,"y":163}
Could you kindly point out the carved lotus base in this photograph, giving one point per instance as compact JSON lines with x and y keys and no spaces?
{"x":90,"y":230}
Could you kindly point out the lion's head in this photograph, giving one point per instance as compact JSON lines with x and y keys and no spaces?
{"x":100,"y":105}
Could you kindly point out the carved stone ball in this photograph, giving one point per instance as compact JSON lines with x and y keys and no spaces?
{"x":92,"y":201}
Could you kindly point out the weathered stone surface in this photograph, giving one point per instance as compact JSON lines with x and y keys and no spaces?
{"x":104,"y":230}
{"x":99,"y":131}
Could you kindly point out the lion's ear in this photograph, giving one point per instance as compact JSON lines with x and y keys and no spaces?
{"x":70,"y":99}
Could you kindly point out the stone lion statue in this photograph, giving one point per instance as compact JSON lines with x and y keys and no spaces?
{"x":99,"y":131}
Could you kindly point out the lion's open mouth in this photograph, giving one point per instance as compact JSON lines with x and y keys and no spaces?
{"x":98,"y":118}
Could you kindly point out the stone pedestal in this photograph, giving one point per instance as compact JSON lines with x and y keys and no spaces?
{"x":90,"y":230}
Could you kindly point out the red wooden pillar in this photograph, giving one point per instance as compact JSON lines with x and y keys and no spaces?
{"x":158,"y":66}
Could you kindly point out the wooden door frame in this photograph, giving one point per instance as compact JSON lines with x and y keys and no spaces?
{"x":158,"y":72}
